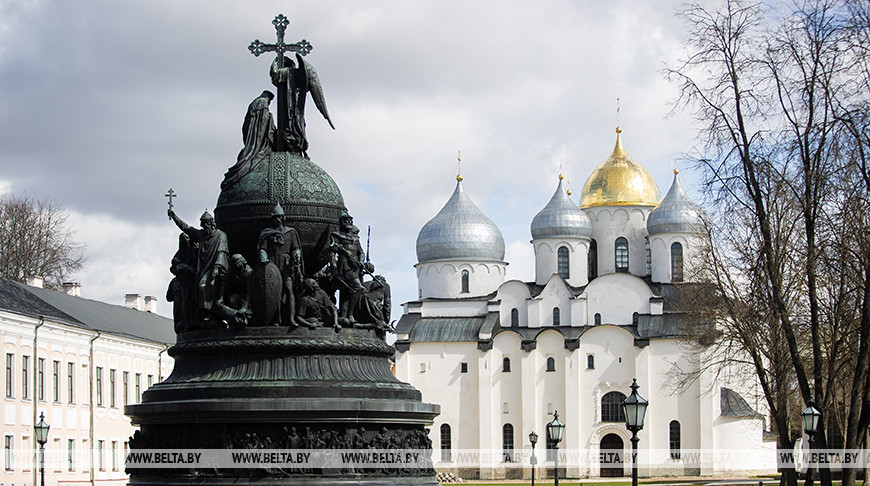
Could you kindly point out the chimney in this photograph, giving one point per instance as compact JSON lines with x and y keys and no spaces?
{"x":72,"y":288}
{"x":133,"y":301}
{"x":34,"y":281}
{"x":151,"y":304}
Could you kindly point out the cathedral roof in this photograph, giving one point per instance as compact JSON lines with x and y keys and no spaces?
{"x":619,"y":180}
{"x":561,"y":218}
{"x":676,"y":213}
{"x":460,"y":231}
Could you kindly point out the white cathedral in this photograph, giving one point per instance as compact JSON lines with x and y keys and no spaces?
{"x":500,"y":357}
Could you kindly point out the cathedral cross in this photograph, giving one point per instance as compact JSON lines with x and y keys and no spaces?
{"x":303,"y":47}
{"x":170,"y":195}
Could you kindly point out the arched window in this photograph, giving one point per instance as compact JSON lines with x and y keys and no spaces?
{"x":674,"y":435}
{"x":676,"y":262}
{"x":634,"y":318}
{"x":557,"y":317}
{"x":445,"y":443}
{"x":506,"y":365}
{"x":465,"y":282}
{"x":563,"y":261}
{"x":611,"y":407}
{"x":621,"y":254}
{"x":590,"y":362}
{"x":648,"y":256}
{"x":551,"y":364}
{"x":592,"y":268}
{"x":597,"y":319}
{"x":507,"y":441}
{"x":515,"y":317}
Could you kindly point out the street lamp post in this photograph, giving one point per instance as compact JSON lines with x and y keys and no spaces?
{"x":533,"y":439}
{"x":635,"y":409}
{"x":555,"y":430}
{"x":40,"y":430}
{"x":810,"y":418}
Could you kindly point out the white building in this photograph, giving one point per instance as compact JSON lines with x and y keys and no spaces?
{"x":78,"y":362}
{"x":501,"y":356}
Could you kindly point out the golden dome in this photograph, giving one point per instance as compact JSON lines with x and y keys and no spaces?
{"x":619,"y":180}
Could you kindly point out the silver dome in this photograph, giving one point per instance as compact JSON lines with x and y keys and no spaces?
{"x":561,"y":218}
{"x":460,"y":231}
{"x":676,"y":213}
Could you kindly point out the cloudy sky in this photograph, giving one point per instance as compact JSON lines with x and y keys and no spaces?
{"x":106,"y":104}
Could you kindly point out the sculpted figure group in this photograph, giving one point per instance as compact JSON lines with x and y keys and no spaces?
{"x":213,"y":289}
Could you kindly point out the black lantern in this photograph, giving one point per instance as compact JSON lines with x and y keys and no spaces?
{"x":810,"y":418}
{"x":40,"y":432}
{"x":555,"y":429}
{"x":635,"y":410}
{"x":533,"y":439}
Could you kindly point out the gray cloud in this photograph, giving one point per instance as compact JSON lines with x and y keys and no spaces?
{"x":106,"y":104}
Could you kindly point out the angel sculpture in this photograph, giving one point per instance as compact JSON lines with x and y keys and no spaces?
{"x":295,"y":81}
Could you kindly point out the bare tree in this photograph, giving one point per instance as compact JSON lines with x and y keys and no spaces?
{"x":35,"y":239}
{"x":782,"y":100}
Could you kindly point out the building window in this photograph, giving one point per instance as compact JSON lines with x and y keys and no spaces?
{"x":101,"y":455}
{"x":563,"y":261}
{"x":150,"y":381}
{"x":114,"y":455}
{"x":71,"y":454}
{"x":611,"y":407}
{"x":515,"y":317}
{"x":99,"y":386}
{"x":465,"y":285}
{"x":590,"y":362}
{"x":112,"y":388}
{"x":674,"y":433}
{"x":70,"y":383}
{"x":463,"y":367}
{"x":621,"y":254}
{"x":557,"y":318}
{"x":635,"y":317}
{"x":40,"y":379}
{"x":25,"y":377}
{"x":551,"y":364}
{"x":10,"y":359}
{"x":676,"y":262}
{"x":506,"y":365}
{"x":597,"y":319}
{"x":592,"y":268}
{"x":126,"y":384}
{"x":138,"y":385}
{"x":8,"y":453}
{"x":55,"y":380}
{"x":507,"y":441}
{"x":445,"y":443}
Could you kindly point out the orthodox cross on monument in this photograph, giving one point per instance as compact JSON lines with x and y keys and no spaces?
{"x":302,"y":47}
{"x":170,"y":195}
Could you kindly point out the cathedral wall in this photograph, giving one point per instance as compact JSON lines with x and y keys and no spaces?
{"x":454,"y":308}
{"x":660,"y":246}
{"x":444,"y":279}
{"x":616,"y":297}
{"x":546,"y":260}
{"x":513,"y":294}
{"x":612,"y":222}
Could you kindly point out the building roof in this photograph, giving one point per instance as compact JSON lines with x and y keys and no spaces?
{"x":561,"y":218}
{"x":460,"y":231}
{"x":620,"y":180}
{"x":445,"y":329}
{"x":731,"y":404}
{"x":84,"y":313}
{"x":676,"y":213}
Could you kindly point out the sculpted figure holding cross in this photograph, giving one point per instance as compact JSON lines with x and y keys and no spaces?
{"x":294,"y":81}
